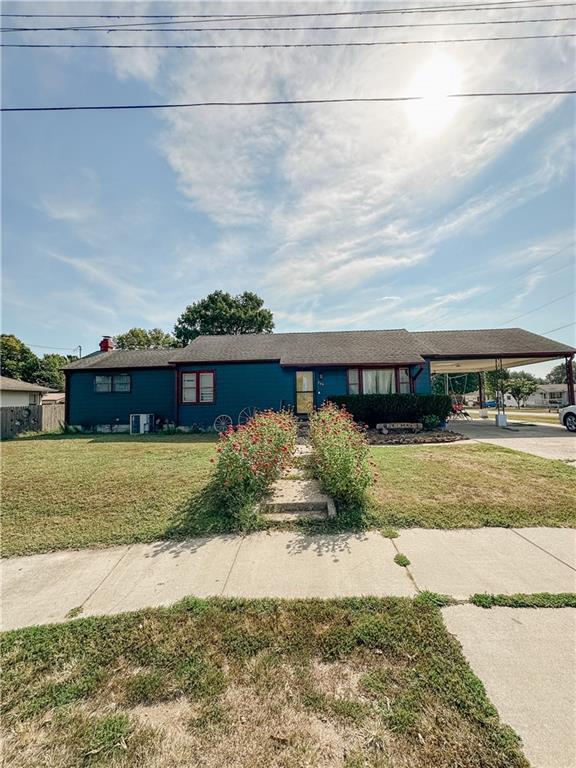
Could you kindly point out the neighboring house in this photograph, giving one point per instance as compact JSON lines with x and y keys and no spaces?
{"x":546,"y":396}
{"x":217,"y":375}
{"x":54,"y":398}
{"x":14,"y":392}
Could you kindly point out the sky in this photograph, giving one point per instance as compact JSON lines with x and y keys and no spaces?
{"x":438,"y":214}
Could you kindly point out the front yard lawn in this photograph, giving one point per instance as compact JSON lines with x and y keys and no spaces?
{"x":461,"y":486}
{"x":356,"y":683}
{"x":82,"y":491}
{"x":79,"y":491}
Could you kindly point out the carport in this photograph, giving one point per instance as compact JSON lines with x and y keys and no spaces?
{"x":493,"y":350}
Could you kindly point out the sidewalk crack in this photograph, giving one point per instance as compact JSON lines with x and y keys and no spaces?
{"x":110,"y":572}
{"x":406,"y":567}
{"x":543,"y":550}
{"x":231,"y":566}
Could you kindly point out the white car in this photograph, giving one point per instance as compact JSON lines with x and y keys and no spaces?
{"x":568,"y":417}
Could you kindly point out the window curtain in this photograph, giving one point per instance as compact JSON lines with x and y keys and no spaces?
{"x":378,"y":381}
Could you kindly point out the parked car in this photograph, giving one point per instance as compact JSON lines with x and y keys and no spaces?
{"x":568,"y":417}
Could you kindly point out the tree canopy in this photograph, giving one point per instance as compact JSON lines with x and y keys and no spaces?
{"x":558,"y":375}
{"x":49,"y":372}
{"x":18,"y":360}
{"x":221,"y":313}
{"x":140,"y":338}
{"x":521,"y":385}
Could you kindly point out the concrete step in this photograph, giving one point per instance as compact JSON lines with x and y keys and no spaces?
{"x":300,"y":497}
{"x":300,"y":514}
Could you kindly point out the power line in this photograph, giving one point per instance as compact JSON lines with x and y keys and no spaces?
{"x":289,"y":45}
{"x":495,"y":288}
{"x":249,"y":17}
{"x":353,"y":100}
{"x":561,"y":327}
{"x":542,"y":306}
{"x":211,"y":15}
{"x":345,"y":27}
{"x":352,"y":27}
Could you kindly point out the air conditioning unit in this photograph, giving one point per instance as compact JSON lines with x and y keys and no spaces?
{"x":140,"y":423}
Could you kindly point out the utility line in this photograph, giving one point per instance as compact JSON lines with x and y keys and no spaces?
{"x":288,"y":45}
{"x":561,"y":327}
{"x":246,"y":17}
{"x":570,"y":246}
{"x":275,"y":103}
{"x":344,"y":27}
{"x":542,"y":306}
{"x":211,"y":15}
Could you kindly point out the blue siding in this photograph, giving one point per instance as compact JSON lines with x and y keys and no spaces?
{"x":152,"y":391}
{"x":424,"y":381}
{"x":238,"y":386}
{"x":330,"y":382}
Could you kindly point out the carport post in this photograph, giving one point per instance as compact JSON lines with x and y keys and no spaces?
{"x":481,"y":389}
{"x":570,"y":379}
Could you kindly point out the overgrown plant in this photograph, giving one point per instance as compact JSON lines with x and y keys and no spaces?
{"x":250,"y":458}
{"x":340,"y":454}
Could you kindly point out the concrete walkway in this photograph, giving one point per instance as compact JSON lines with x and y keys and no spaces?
{"x":527,"y":661}
{"x":546,"y":441}
{"x":41,"y":589}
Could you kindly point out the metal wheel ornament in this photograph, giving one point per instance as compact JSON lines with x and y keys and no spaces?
{"x":222,"y":422}
{"x":245,"y":415}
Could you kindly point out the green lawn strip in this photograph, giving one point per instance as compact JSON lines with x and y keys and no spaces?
{"x":469,"y":486}
{"x":536,"y":600}
{"x":83,"y":491}
{"x":382,"y":677}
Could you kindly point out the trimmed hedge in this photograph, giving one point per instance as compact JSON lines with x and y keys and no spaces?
{"x":376,"y":409}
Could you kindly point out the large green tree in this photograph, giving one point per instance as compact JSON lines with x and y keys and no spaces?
{"x":49,"y":370}
{"x":521,"y":385}
{"x":558,"y":375}
{"x":18,"y":360}
{"x":140,"y":338}
{"x":220,"y":313}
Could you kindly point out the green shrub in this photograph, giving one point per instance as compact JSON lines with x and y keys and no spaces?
{"x":340,"y":455}
{"x":376,"y":409}
{"x":250,"y":458}
{"x":430,"y":422}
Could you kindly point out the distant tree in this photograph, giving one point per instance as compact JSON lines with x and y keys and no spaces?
{"x":521,"y":385}
{"x":459,"y":384}
{"x":558,"y":375}
{"x":220,"y":313}
{"x":18,"y":360}
{"x":49,"y":372}
{"x":140,"y":338}
{"x":491,"y":382}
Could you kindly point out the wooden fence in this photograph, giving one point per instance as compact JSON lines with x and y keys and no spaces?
{"x":30,"y":418}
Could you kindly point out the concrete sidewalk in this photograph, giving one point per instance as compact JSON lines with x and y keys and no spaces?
{"x":526,"y":659}
{"x":41,"y":589}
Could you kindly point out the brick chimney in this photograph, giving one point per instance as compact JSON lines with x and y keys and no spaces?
{"x":107,"y":344}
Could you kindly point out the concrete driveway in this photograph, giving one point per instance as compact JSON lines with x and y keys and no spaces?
{"x":548,"y":442}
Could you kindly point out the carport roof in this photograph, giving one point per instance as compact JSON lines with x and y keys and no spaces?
{"x":477,"y":350}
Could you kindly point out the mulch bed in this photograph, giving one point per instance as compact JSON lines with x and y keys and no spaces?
{"x":409,"y":438}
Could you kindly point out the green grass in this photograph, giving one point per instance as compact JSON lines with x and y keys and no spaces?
{"x":402,"y":560}
{"x":469,"y":486}
{"x":79,"y":491}
{"x":536,"y":600}
{"x":67,"y":492}
{"x":371,"y":682}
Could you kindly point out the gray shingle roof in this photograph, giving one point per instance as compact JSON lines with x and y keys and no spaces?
{"x":7,"y":383}
{"x":322,"y":348}
{"x":491,"y":342}
{"x":334,"y":348}
{"x":123,"y":358}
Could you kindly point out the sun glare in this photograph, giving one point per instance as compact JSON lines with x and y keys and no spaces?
{"x":439,"y":76}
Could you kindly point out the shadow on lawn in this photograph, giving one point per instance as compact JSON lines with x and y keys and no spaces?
{"x":120,"y":437}
{"x":201,"y":516}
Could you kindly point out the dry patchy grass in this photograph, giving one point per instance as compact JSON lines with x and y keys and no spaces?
{"x":356,"y":683}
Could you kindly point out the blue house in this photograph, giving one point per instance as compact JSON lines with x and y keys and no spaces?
{"x":224,"y":375}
